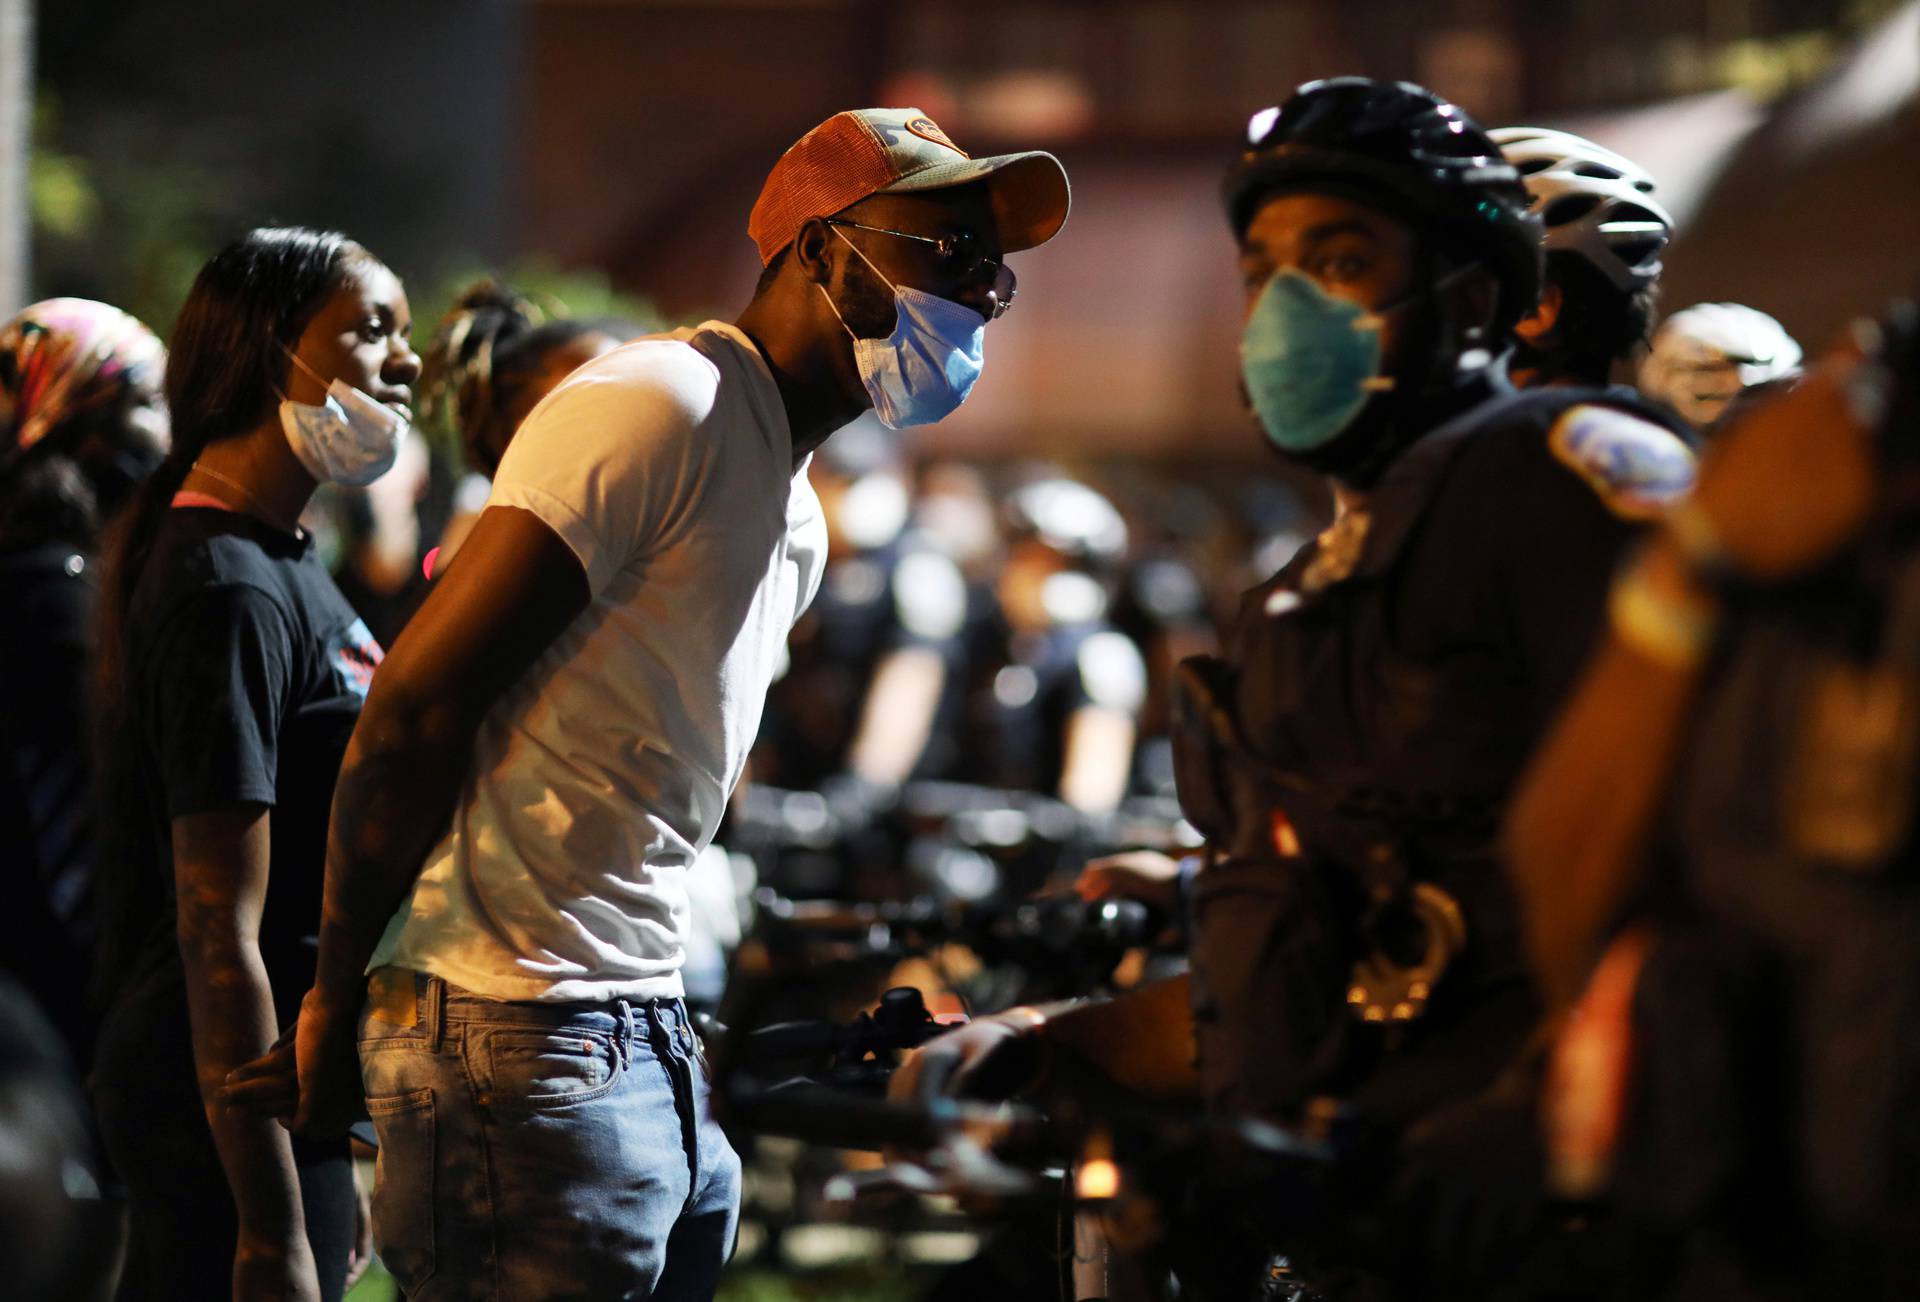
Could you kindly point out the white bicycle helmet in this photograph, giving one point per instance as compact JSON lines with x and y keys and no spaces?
{"x":1069,"y":517}
{"x":1593,"y":202}
{"x":1702,"y":358}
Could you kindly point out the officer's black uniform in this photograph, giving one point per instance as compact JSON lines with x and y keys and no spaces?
{"x":872,"y":603}
{"x":1386,"y":700}
{"x":1018,"y":720}
{"x":1352,"y":933}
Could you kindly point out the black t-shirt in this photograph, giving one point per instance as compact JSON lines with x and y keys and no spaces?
{"x":249,"y":669}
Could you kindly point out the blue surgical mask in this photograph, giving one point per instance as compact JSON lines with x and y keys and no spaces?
{"x":926,"y":368}
{"x":1310,"y":362}
{"x":350,"y":438}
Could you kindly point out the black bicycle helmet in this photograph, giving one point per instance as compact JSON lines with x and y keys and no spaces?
{"x":1404,"y":146}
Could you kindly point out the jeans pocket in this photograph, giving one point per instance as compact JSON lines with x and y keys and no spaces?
{"x":403,"y":1185}
{"x":548,"y":1068}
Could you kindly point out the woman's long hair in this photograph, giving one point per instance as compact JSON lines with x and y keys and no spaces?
{"x":227,"y":367}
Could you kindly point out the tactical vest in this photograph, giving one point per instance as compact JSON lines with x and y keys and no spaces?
{"x":1352,"y":932}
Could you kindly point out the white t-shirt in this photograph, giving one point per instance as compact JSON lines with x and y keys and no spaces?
{"x":597,"y":780}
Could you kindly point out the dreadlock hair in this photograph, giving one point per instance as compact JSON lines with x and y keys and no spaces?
{"x":231,"y":343}
{"x":485,"y":351}
{"x":1599,"y":324}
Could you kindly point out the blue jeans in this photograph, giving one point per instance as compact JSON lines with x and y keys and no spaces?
{"x":542,"y":1150}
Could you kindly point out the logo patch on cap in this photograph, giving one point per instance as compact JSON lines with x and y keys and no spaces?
{"x":927,"y":129}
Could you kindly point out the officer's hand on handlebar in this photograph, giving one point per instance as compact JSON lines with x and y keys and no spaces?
{"x":989,"y":1057}
{"x":1144,"y":875}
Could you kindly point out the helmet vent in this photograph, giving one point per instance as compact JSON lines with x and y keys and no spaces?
{"x":1569,"y":208}
{"x":1638,"y":253}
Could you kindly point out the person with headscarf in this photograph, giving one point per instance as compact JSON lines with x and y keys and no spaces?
{"x":82,"y":423}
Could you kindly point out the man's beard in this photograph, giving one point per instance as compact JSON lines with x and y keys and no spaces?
{"x":865,"y":302}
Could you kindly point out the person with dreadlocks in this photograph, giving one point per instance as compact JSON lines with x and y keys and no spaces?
{"x":82,"y":423}
{"x":495,"y":355}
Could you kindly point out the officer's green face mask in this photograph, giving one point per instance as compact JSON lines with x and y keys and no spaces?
{"x":1310,"y":361}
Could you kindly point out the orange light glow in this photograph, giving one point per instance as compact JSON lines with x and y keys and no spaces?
{"x":1098,"y":1178}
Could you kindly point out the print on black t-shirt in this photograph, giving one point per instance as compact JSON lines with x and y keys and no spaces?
{"x":250,"y":670}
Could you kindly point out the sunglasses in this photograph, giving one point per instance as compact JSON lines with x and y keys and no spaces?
{"x":959,"y":256}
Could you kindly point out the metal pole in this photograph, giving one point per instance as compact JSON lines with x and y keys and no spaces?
{"x":16,"y":134}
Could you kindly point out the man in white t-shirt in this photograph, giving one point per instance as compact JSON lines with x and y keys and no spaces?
{"x":550,"y":744}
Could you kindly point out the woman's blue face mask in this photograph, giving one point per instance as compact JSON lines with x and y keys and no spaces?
{"x":1310,"y":362}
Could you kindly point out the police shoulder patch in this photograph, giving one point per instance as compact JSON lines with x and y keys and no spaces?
{"x":1635,"y":467}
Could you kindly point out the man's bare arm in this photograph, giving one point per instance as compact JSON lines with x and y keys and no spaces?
{"x":514,"y":588}
{"x":1782,"y":490}
{"x":1141,"y":1039}
{"x":1578,"y":826}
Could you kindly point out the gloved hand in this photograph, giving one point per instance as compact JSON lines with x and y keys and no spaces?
{"x":990,"y":1057}
{"x":1468,"y":1192}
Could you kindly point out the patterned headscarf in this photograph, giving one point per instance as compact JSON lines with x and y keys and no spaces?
{"x":64,"y":357}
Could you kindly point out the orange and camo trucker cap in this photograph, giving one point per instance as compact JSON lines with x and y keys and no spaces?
{"x":900,"y":150}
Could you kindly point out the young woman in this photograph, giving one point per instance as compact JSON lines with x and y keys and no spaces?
{"x":231,"y":673}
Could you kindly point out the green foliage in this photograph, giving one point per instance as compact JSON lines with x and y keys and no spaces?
{"x":125,"y":212}
{"x":374,"y":1286}
{"x":874,"y":1282}
{"x":115,"y":216}
{"x":61,"y":197}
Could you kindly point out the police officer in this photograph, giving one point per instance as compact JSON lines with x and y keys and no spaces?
{"x":1059,"y":699}
{"x":1352,"y":934}
{"x":1606,"y":232}
{"x":871,"y":695}
{"x":1711,"y":356}
{"x":1740,"y":1071}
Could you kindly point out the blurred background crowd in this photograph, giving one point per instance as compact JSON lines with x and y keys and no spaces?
{"x":593,"y":157}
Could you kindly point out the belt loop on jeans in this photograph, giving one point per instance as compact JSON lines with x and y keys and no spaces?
{"x":434,"y":1012}
{"x":625,"y":1034}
